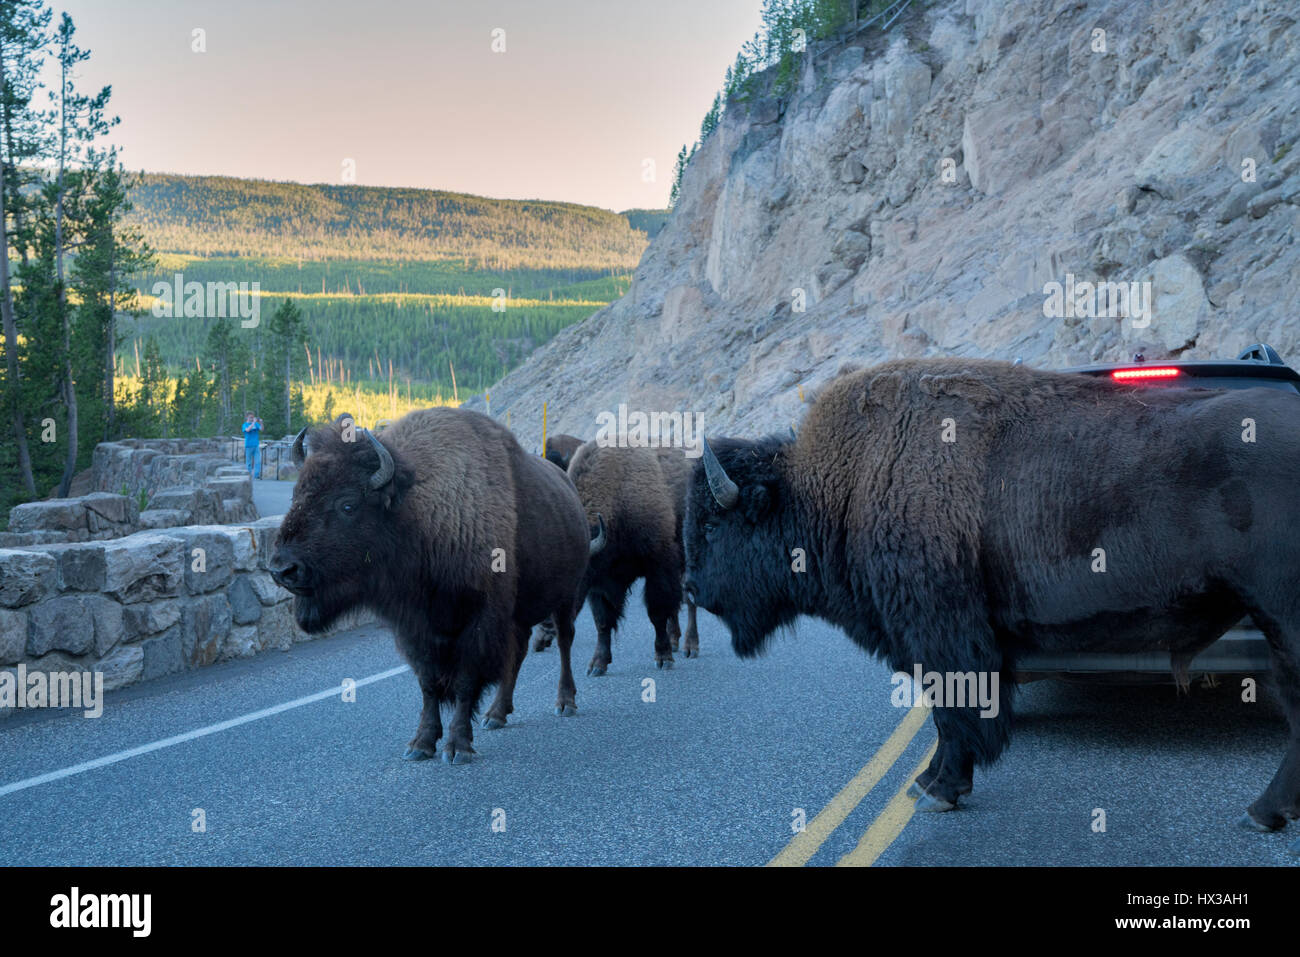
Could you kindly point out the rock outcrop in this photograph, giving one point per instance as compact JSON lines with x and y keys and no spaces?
{"x":917,"y":196}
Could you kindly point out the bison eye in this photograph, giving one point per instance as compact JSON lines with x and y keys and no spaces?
{"x":347,"y":508}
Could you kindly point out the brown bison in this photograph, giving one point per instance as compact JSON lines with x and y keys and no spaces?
{"x":635,"y":492}
{"x":676,"y":469}
{"x":451,"y":533}
{"x":560,"y":448}
{"x":954,"y":514}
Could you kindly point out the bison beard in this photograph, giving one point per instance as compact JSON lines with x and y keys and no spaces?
{"x":950,"y":510}
{"x":454,"y":536}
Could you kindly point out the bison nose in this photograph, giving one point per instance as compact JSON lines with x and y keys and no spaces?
{"x":286,"y":571}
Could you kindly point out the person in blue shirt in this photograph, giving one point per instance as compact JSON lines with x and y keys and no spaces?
{"x":252,"y":444}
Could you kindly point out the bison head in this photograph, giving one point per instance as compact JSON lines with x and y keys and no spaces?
{"x":339,"y":537}
{"x":738,"y":562}
{"x":560,"y":449}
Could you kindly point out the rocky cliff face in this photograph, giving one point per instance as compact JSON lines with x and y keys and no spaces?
{"x":919,"y":191}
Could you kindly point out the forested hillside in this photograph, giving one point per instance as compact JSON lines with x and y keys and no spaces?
{"x":405,"y":284}
{"x":222,"y":216}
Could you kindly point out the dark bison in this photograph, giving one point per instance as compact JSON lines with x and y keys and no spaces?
{"x":560,"y":448}
{"x":461,"y":541}
{"x":953,"y":512}
{"x":676,"y":471}
{"x":630,"y":491}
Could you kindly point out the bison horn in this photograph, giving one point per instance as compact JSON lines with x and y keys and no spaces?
{"x":724,"y":490}
{"x":385,"y":473}
{"x":599,"y":541}
{"x":300,"y":451}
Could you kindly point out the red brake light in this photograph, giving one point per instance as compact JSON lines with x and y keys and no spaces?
{"x":1155,"y":372}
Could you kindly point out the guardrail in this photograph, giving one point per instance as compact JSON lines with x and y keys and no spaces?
{"x":237,"y":456}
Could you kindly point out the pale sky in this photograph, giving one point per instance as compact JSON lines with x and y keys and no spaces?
{"x":411,"y":90}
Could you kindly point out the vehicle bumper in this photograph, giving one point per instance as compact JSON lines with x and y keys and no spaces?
{"x":1240,"y":651}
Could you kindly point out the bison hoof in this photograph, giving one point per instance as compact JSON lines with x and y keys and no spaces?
{"x":692,"y":652}
{"x":664,"y":663}
{"x":493,"y":723}
{"x":566,"y":710}
{"x":456,"y":756}
{"x":417,"y":754}
{"x":1247,"y":822}
{"x":915,"y":791}
{"x":540,"y":645}
{"x":595,"y":669}
{"x":936,"y":805}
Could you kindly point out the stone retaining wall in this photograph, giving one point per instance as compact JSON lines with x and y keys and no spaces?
{"x":144,"y":606}
{"x":136,"y":464}
{"x":92,"y":517}
{"x":180,"y":488}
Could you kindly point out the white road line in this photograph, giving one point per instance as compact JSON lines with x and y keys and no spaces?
{"x":191,"y":735}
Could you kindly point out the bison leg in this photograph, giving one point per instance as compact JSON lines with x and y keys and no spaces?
{"x":460,"y":736}
{"x":692,"y":636}
{"x":964,"y":736}
{"x":425,"y":743}
{"x":1280,"y":801}
{"x":503,"y":705}
{"x":566,"y":701}
{"x":663,"y":600}
{"x":544,"y":635}
{"x":674,"y":632}
{"x":604,"y":614}
{"x":965,"y":763}
{"x":970,"y":730}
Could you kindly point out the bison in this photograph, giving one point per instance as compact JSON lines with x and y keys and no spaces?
{"x":676,"y":470}
{"x":447,"y":530}
{"x":637,"y":494}
{"x":951,"y":514}
{"x":560,"y":448}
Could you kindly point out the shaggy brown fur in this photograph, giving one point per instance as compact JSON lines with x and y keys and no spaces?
{"x":469,"y":544}
{"x":628,"y":489}
{"x":959,"y":555}
{"x":677,"y":470}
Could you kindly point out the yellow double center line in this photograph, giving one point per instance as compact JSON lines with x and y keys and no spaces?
{"x":886,"y":827}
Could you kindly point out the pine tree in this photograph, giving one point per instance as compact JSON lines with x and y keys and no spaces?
{"x":711,"y":118}
{"x":81,"y":119}
{"x":108,"y":254}
{"x":284,"y":352}
{"x":683,"y":157}
{"x":230,"y":360}
{"x":23,"y":38}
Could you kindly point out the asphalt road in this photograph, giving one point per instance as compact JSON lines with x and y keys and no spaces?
{"x":711,"y":771}
{"x":271,"y":497}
